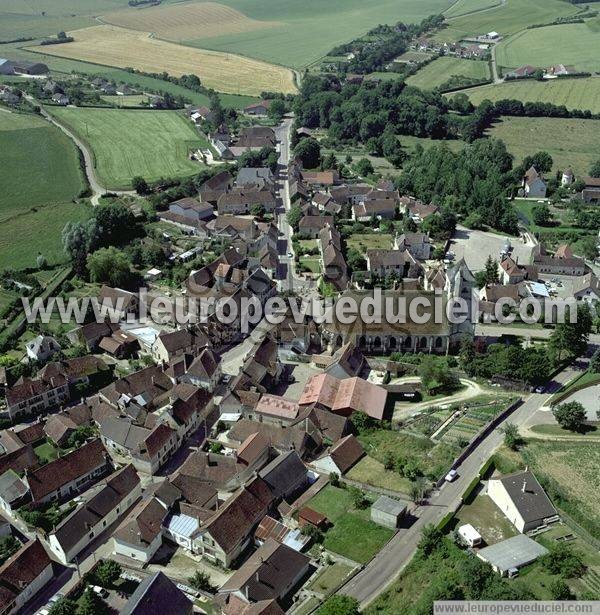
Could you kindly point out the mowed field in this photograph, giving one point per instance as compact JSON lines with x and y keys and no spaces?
{"x":309,"y":29}
{"x":40,"y":177}
{"x":507,"y":18}
{"x":127,"y":143}
{"x":113,"y":46}
{"x":570,"y":142}
{"x":573,"y":44}
{"x":464,"y":7}
{"x":439,"y":71}
{"x":189,"y":20}
{"x":39,"y":165}
{"x":572,"y":93}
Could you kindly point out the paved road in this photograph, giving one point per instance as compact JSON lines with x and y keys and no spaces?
{"x":498,"y":330}
{"x":392,"y":559}
{"x":292,"y":281}
{"x":97,"y":189}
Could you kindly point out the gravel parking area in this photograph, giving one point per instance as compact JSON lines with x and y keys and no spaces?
{"x":476,"y":246}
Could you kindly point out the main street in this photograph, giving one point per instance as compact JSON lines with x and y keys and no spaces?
{"x":392,"y":559}
{"x":293,"y":281}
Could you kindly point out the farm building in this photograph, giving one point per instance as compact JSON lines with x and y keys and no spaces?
{"x":508,"y":556}
{"x":523,"y":500}
{"x":258,"y":108}
{"x":388,"y":512}
{"x":22,"y":67}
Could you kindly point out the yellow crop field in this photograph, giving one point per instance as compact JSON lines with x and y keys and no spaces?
{"x":225,"y":72}
{"x":180,"y":22}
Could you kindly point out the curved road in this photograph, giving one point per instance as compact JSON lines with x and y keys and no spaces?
{"x":95,"y":186}
{"x":472,"y":390}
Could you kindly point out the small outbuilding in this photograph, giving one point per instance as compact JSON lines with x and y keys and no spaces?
{"x":508,"y":556}
{"x":388,"y":512}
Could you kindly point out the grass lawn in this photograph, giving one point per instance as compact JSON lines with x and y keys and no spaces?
{"x":313,"y":264}
{"x":135,"y":100}
{"x":572,"y":93}
{"x":369,"y":241}
{"x":371,"y":472}
{"x":568,"y":470}
{"x":409,"y":142}
{"x":40,"y":165}
{"x":463,"y":7}
{"x":487,"y":519}
{"x":6,"y":297}
{"x":434,"y":459}
{"x":557,"y":430}
{"x":353,"y":534}
{"x":46,"y":452}
{"x":330,"y":578}
{"x":127,"y":143}
{"x":439,"y":71}
{"x":575,"y":44}
{"x":506,"y":18}
{"x":302,"y":32}
{"x":570,"y":142}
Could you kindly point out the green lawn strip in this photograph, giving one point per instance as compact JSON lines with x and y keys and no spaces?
{"x":330,"y":578}
{"x":438,"y":72}
{"x":370,"y":471}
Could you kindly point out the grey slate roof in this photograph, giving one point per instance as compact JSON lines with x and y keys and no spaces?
{"x":157,"y":594}
{"x":515,"y":552}
{"x":531,"y":501}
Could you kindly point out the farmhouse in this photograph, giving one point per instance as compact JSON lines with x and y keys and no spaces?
{"x":562,"y":262}
{"x":418,"y":244}
{"x":534,"y":185}
{"x":104,"y":504}
{"x":399,"y":262}
{"x":23,"y":575}
{"x":260,"y":108}
{"x":41,"y":348}
{"x":591,"y":192}
{"x":29,"y":397}
{"x":191,"y":209}
{"x":157,"y":594}
{"x":271,"y":573}
{"x":344,"y":454}
{"x":523,"y":500}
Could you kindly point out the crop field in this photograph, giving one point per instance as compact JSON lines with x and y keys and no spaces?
{"x":470,"y":423}
{"x":39,"y":165}
{"x":308,"y":30}
{"x":122,"y":48}
{"x":572,"y":93}
{"x":570,"y":142}
{"x":183,"y":21}
{"x":127,"y":143}
{"x":507,"y":18}
{"x":439,"y":71}
{"x":572,"y":44}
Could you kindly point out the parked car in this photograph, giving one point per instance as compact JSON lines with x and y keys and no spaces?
{"x":100,"y":591}
{"x":540,"y":389}
{"x":452,"y":475}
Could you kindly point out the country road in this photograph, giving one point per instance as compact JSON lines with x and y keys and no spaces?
{"x":380,"y":573}
{"x":97,"y":189}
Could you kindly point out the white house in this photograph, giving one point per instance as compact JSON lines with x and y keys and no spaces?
{"x":522,"y":500}
{"x":41,"y":348}
{"x":343,"y":455}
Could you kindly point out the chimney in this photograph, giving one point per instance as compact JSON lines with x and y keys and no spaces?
{"x":524,"y":487}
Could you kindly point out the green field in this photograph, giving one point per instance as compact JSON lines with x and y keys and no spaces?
{"x":507,"y":18}
{"x":465,"y":7}
{"x":570,"y":142}
{"x":39,"y":164}
{"x":138,"y":82}
{"x":572,"y":93}
{"x":38,"y":230}
{"x":309,"y":29}
{"x":573,"y":44}
{"x":47,"y":17}
{"x":353,"y":534}
{"x":127,"y":143}
{"x":439,"y":71}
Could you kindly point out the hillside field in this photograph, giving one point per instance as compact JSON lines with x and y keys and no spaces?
{"x":308,"y":30}
{"x":507,"y":18}
{"x":119,"y":47}
{"x":465,"y":7}
{"x":127,"y":143}
{"x":439,"y":71}
{"x":572,"y":44}
{"x":570,"y":142}
{"x":572,"y":93}
{"x":39,"y":164}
